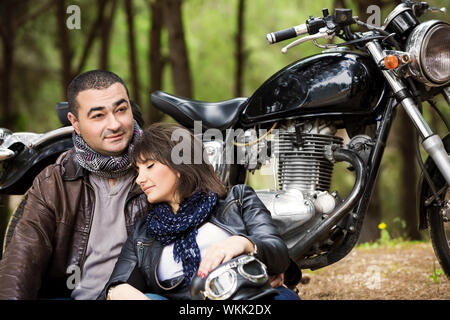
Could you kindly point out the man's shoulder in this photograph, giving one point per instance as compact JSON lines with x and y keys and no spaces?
{"x":63,"y":167}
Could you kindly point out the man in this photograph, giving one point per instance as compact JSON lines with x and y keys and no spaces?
{"x":79,"y":210}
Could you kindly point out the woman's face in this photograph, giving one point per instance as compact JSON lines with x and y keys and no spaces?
{"x":158,"y":182}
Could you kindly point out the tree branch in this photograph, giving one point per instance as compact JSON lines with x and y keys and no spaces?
{"x":96,"y":26}
{"x":26,"y":18}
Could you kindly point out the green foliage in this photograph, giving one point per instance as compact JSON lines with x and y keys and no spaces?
{"x":437,"y":272}
{"x":389,"y":237}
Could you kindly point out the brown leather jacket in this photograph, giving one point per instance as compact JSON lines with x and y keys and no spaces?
{"x":53,"y":233}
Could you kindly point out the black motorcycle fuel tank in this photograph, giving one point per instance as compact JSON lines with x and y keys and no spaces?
{"x":329,"y":84}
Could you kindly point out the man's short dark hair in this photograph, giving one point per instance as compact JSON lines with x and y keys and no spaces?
{"x":94,"y":79}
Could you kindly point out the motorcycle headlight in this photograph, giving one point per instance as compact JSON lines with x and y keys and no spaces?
{"x":429,"y":47}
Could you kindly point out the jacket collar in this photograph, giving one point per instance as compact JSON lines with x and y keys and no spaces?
{"x":72,"y":171}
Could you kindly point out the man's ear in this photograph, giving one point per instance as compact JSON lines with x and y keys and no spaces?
{"x":74,"y":121}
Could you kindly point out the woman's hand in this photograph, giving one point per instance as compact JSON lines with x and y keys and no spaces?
{"x":126,"y":292}
{"x":224,"y":251}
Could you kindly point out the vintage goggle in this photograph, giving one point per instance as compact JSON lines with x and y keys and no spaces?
{"x":242,"y":272}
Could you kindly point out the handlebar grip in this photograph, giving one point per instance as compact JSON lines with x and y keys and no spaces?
{"x":278,"y":36}
{"x":285,"y":34}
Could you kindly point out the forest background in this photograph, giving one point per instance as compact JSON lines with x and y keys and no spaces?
{"x":208,"y":50}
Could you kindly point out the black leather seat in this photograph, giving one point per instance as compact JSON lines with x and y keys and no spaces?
{"x":219,"y":115}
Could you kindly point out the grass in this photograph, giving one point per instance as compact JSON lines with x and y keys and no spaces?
{"x":389,"y":243}
{"x":437,"y":272}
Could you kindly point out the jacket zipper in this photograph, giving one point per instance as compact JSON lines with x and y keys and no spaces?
{"x":227,"y":206}
{"x":220,"y":225}
{"x":141,"y":246}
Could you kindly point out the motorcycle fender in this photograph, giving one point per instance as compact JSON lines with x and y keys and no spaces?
{"x":423,"y":186}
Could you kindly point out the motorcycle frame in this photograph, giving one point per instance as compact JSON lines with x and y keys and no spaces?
{"x":353,"y":220}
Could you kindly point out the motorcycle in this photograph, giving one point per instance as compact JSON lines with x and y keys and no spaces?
{"x":291,"y":121}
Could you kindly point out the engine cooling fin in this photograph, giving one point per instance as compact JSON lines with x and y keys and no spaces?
{"x":301,"y":163}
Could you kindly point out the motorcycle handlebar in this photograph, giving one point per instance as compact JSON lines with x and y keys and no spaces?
{"x":285,"y":34}
{"x":340,"y":18}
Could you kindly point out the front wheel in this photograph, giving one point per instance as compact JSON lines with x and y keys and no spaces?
{"x":438,"y":216}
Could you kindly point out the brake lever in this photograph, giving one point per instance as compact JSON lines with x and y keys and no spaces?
{"x":440,"y":10}
{"x":321,"y":34}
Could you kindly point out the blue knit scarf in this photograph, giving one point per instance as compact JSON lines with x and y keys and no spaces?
{"x":182,"y":228}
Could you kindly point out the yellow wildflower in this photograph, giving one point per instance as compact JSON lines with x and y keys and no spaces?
{"x":382,"y":226}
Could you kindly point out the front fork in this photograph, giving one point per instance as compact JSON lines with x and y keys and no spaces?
{"x":431,"y":142}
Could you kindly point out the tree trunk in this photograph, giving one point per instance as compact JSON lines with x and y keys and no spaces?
{"x":155,"y":57}
{"x":370,"y":231}
{"x":338,"y":4}
{"x":105,"y":41}
{"x":63,"y":42}
{"x":132,"y":52}
{"x":181,"y":74}
{"x":93,"y":33}
{"x":8,"y":33}
{"x":7,"y":119}
{"x":240,"y":55}
{"x":409,"y":177}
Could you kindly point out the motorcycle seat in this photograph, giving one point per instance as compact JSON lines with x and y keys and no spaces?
{"x":219,"y":115}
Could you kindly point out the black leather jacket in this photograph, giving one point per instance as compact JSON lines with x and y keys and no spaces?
{"x":240,"y":213}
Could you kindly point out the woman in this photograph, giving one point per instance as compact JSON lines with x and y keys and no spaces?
{"x":194,"y":224}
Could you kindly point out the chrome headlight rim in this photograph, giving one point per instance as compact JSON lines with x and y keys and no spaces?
{"x":416,"y":45}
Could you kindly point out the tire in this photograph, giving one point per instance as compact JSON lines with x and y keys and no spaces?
{"x":15,"y":217}
{"x":439,"y":228}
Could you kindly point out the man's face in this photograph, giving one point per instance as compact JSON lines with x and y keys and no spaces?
{"x":105,"y":120}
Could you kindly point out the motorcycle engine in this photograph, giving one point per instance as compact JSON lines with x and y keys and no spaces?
{"x":303,"y":174}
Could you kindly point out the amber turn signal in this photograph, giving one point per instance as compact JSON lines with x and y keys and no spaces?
{"x":391,"y":62}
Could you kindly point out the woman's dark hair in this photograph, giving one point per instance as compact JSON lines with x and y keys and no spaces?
{"x":176,"y":147}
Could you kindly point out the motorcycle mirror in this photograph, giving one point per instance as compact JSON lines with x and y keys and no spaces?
{"x":62,"y":108}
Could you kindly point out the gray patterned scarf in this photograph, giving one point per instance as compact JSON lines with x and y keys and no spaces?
{"x":101,"y":165}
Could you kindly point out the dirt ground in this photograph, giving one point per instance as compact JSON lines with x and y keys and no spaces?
{"x":403,"y":271}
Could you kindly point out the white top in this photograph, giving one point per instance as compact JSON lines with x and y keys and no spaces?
{"x":208,"y":234}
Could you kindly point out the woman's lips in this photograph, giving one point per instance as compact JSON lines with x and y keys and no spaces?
{"x":147,"y":188}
